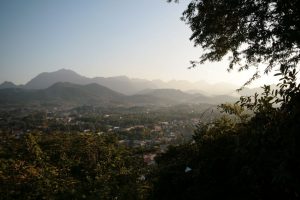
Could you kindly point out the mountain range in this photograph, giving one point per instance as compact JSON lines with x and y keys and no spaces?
{"x":123,"y":84}
{"x":66,"y":87}
{"x":71,"y":94}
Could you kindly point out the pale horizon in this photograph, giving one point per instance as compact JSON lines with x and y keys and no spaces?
{"x":137,"y":39}
{"x":148,"y":79}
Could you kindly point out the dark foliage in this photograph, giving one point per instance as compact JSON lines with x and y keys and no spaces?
{"x":238,"y":156}
{"x":252,"y":32}
{"x":68,"y":166}
{"x":253,"y":151}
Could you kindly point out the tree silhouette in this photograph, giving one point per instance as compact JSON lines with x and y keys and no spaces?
{"x":252,"y":151}
{"x":252,"y":32}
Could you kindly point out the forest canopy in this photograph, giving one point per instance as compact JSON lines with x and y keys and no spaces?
{"x":252,"y":151}
{"x":254,"y":33}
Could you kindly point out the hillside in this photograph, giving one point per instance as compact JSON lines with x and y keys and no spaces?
{"x":47,"y":79}
{"x":7,"y":84}
{"x":179,"y":96}
{"x":95,"y":94}
{"x":62,"y":93}
{"x":123,"y":84}
{"x":130,"y":86}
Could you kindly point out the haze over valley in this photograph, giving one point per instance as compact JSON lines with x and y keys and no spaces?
{"x":149,"y":99}
{"x":68,"y":87}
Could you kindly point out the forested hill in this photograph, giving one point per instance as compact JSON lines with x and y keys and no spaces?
{"x":95,"y":94}
{"x":123,"y":84}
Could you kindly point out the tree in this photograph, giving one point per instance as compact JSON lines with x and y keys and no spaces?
{"x":239,"y":156}
{"x":69,"y":166}
{"x":252,"y":32}
{"x":252,"y":152}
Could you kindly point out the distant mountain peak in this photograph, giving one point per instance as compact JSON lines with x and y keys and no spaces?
{"x":126,"y":85}
{"x":7,"y":84}
{"x":64,"y":70}
{"x":46,"y":79}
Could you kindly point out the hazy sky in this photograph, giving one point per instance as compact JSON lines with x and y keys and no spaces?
{"x":136,"y":38}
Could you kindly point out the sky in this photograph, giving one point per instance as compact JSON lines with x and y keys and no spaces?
{"x":136,"y":38}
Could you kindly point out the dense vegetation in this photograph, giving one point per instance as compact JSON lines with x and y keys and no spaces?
{"x":251,"y":152}
{"x":238,"y":156}
{"x":253,"y":34}
{"x":69,"y":166}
